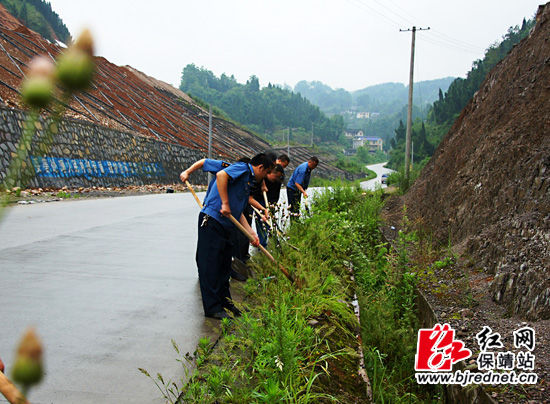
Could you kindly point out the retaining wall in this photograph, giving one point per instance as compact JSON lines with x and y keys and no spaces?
{"x":84,"y":154}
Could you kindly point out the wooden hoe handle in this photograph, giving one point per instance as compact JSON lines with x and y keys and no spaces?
{"x":194,"y":194}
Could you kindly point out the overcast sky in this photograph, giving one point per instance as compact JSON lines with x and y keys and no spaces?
{"x":348,"y":44}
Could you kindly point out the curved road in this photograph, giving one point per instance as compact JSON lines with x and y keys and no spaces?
{"x":379,"y":169}
{"x":107,"y":283}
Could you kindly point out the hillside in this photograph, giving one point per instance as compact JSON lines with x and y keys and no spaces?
{"x":263,"y":109}
{"x":486,"y":194}
{"x":490,"y":177}
{"x":124,"y":99}
{"x":39,"y":16}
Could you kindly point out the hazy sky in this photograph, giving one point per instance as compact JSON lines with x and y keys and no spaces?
{"x":347,"y":44}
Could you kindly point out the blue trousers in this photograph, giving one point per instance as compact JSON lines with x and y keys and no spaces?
{"x":294,"y":199}
{"x":214,"y":251}
{"x":262,"y":229}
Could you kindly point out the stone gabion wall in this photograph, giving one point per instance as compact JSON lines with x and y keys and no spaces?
{"x":82,"y":154}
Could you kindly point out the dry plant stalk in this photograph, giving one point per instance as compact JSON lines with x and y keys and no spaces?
{"x":8,"y":390}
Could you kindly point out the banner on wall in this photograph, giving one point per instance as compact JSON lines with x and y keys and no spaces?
{"x":60,"y":167}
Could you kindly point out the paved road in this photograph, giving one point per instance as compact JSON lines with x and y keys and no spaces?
{"x":379,"y":169}
{"x":107,"y":283}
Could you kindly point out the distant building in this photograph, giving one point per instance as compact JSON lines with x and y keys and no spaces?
{"x":362,"y":115}
{"x":374,"y":144}
{"x":371,"y":143}
{"x":353,"y":133}
{"x":358,"y":142}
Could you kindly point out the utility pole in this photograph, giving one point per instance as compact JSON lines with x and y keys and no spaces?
{"x":288,"y":143}
{"x":409,"y":109}
{"x":311,"y":135}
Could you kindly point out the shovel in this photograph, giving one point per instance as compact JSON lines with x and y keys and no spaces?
{"x":285,"y":271}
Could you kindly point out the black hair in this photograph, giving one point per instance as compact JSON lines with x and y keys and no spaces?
{"x":244,"y":160}
{"x":314,"y":159}
{"x":284,"y":157}
{"x":278,"y":169}
{"x":262,"y":159}
{"x":271,"y":155}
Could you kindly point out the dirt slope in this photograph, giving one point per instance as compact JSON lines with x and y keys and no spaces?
{"x":488,"y":185}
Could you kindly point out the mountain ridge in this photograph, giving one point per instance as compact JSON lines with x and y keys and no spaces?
{"x":383,"y":97}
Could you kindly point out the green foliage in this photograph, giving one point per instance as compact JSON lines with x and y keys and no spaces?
{"x":39,"y":16}
{"x":389,"y":323}
{"x":398,"y":179}
{"x":366,"y":157}
{"x":265,"y":110}
{"x":351,"y":165}
{"x":421,"y":147}
{"x":328,"y":100}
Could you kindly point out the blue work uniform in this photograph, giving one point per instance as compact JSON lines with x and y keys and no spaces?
{"x":301,"y":175}
{"x":215,"y":241}
{"x":213,"y":166}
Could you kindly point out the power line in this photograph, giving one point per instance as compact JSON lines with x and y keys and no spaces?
{"x":364,"y":6}
{"x":436,"y":41}
{"x":405,"y":19}
{"x":441,"y":39}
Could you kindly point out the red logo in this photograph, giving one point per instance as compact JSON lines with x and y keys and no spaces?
{"x":437,"y":350}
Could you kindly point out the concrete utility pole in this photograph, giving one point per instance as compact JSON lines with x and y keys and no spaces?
{"x":288,"y":143}
{"x":409,"y":109}
{"x":311,"y":135}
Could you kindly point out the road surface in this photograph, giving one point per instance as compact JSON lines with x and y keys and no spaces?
{"x":379,"y":169}
{"x":107,"y":283}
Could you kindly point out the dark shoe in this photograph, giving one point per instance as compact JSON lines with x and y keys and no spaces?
{"x":219,"y":315}
{"x":236,"y":312}
{"x":237,"y":276}
{"x":239,"y":266}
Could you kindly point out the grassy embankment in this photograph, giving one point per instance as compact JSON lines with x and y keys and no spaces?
{"x":299,"y":344}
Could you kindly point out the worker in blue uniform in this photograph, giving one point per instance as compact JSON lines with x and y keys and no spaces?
{"x":213,"y":166}
{"x":299,"y":182}
{"x":228,"y":195}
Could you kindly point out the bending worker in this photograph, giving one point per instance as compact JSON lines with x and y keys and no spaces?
{"x":298,"y":182}
{"x":228,"y":196}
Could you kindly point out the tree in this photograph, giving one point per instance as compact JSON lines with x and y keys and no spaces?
{"x":264,"y":109}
